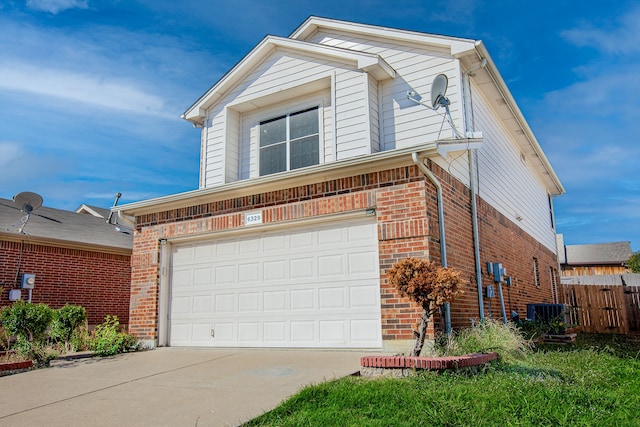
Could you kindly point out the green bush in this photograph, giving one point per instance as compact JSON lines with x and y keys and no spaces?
{"x":27,"y":321}
{"x":65,"y":321}
{"x":488,"y":336}
{"x":109,"y":340}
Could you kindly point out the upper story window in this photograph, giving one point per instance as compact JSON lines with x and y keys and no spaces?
{"x":289,"y":142}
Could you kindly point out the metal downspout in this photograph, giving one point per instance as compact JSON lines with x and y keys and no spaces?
{"x":443,"y":240}
{"x":466,"y":92}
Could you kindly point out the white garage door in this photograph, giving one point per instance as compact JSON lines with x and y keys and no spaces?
{"x":312,"y":286}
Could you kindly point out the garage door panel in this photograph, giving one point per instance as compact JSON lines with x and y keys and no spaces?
{"x":363,"y":296}
{"x":362,"y":262}
{"x":225,"y":303}
{"x":315,"y":286}
{"x":275,"y":301}
{"x":247,"y":247}
{"x":248,"y":332}
{"x":225,"y":248}
{"x":302,"y":268}
{"x":362,"y":233}
{"x":331,"y":298}
{"x":303,"y":299}
{"x":249,"y":301}
{"x":303,"y":332}
{"x":274,"y":270}
{"x":330,"y":265}
{"x":302,"y":240}
{"x":363,"y":330}
{"x":248,"y":273}
{"x":225,"y":275}
{"x":202,"y":304}
{"x":332,"y":331}
{"x":202,"y":253}
{"x":275,"y":332}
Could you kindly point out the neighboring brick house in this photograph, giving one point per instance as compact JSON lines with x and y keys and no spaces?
{"x":318,"y":173}
{"x":77,"y":258}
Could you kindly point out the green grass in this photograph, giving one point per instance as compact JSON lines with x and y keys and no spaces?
{"x":595,"y":382}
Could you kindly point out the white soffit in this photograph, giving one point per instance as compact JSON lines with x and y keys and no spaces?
{"x":367,"y":62}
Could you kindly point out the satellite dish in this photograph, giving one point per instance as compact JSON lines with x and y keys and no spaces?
{"x":27,"y":201}
{"x":438,"y":91}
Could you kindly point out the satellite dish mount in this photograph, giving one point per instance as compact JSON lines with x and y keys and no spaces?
{"x":438,"y":99}
{"x":27,"y":202}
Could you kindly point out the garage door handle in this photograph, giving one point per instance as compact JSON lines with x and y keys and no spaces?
{"x":213,"y":333}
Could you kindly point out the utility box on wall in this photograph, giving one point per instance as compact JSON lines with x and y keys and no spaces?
{"x":15,"y":295}
{"x":28,"y":281}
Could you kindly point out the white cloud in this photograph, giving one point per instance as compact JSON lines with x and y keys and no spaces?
{"x":55,"y":6}
{"x":621,"y":37}
{"x":9,"y":152}
{"x":99,"y":91}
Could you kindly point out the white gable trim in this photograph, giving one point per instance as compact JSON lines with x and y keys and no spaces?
{"x":456,"y":46}
{"x":367,"y":62}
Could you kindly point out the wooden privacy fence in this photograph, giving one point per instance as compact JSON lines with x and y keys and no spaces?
{"x":603,"y":309}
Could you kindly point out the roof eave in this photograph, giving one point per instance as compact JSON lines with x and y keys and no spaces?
{"x":554,"y":186}
{"x":59,"y":243}
{"x":362,"y":164}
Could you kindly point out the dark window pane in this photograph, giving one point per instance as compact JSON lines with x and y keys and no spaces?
{"x":305,"y":152}
{"x":273,"y":131}
{"x":273,"y":159}
{"x":304,"y":123}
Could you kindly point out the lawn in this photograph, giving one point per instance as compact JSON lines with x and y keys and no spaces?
{"x":594,"y":382}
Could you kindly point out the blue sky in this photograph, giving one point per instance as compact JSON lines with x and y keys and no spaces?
{"x":91,"y":91}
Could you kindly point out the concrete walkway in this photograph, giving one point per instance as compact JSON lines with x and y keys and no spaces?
{"x":166,"y":387}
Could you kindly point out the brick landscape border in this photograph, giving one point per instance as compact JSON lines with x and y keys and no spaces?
{"x":396,"y":365}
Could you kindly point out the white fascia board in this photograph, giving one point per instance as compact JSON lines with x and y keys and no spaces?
{"x":456,"y":45}
{"x":367,"y":62}
{"x":547,"y":174}
{"x":325,"y":171}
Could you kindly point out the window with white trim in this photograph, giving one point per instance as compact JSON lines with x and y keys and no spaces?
{"x":290,"y":141}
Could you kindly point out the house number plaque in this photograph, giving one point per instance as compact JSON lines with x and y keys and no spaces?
{"x":253,"y":218}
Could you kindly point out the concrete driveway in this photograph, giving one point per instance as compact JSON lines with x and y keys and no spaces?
{"x":166,"y":387}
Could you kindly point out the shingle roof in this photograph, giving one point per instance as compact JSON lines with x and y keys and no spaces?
{"x":599,"y":253}
{"x":71,"y":227}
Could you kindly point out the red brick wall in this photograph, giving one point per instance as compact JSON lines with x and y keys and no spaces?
{"x":97,"y":281}
{"x":401,"y":197}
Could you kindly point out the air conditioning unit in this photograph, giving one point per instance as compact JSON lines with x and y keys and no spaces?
{"x":546,"y":312}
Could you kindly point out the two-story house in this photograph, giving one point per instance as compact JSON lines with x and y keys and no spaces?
{"x":323,"y":162}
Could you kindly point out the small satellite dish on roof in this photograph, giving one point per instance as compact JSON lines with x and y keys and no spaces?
{"x":438,"y":91}
{"x":27,"y":202}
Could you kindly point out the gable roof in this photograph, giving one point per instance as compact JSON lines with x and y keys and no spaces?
{"x":598,"y":254}
{"x":56,"y":227}
{"x":368,"y":62}
{"x":92,"y":210}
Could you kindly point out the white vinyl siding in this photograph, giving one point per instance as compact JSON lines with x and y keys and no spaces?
{"x":232,"y":150}
{"x":405,"y":123}
{"x":284,"y":77}
{"x":506,"y":182}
